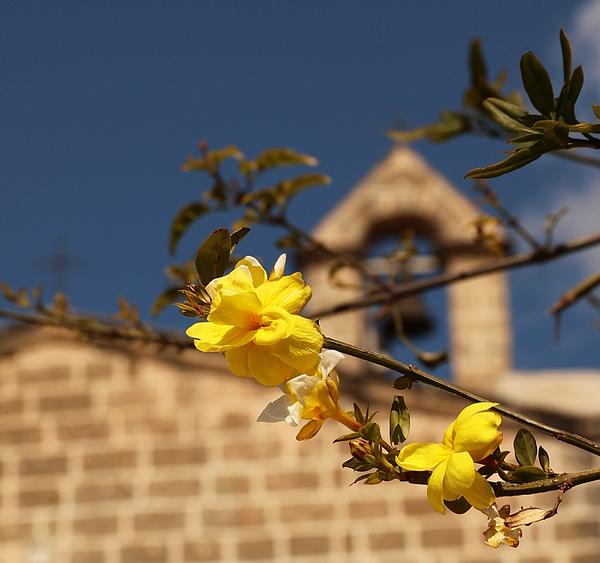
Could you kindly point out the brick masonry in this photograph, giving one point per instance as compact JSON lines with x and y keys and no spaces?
{"x":218,"y":486}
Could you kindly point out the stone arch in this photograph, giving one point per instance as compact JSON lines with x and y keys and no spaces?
{"x":403,"y":191}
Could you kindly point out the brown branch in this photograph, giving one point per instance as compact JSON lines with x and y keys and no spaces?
{"x":579,"y":158}
{"x":98,"y":328}
{"x":417,"y":374}
{"x":560,"y":482}
{"x":509,"y":219}
{"x":500,"y":265}
{"x":575,"y":294}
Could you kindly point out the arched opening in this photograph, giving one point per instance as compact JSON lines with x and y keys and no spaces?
{"x":404,"y":250}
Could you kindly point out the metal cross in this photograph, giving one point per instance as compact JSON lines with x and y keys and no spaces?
{"x":60,"y":263}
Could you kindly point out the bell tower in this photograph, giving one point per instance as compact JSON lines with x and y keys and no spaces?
{"x":402,"y":192}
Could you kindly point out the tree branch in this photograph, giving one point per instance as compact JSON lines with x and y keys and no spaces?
{"x":98,"y":328}
{"x":416,"y":374}
{"x":500,"y":265}
{"x":563,"y":481}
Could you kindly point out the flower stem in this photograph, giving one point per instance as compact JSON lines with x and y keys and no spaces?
{"x":345,"y":419}
{"x":419,"y":375}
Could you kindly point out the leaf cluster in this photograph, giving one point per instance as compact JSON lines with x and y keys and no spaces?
{"x":526,"y":453}
{"x":257,"y":206}
{"x":554,"y":125}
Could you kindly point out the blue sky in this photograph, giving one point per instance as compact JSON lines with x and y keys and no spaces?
{"x":101,"y":102}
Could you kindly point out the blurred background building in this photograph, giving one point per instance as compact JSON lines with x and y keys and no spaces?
{"x":130,"y":454}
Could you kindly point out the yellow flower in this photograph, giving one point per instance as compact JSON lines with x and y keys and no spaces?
{"x":254,"y":321}
{"x":309,"y":397}
{"x":470,"y":438}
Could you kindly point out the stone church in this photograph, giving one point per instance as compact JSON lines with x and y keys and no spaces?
{"x":113,"y":454}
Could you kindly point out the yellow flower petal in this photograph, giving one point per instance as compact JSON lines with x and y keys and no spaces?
{"x":267,"y":368}
{"x":471,"y":410}
{"x":289,"y":292}
{"x":212,"y":337}
{"x":239,"y":280}
{"x":278,"y":268}
{"x":474,"y":431}
{"x":422,"y":457}
{"x":276,"y":324}
{"x":480,"y":494}
{"x":309,"y":430}
{"x":240,"y":309}
{"x":302,"y":348}
{"x":319,"y":404}
{"x":237,"y":361}
{"x":460,"y":474}
{"x":257,"y":272}
{"x":478,"y":435}
{"x":435,"y":490}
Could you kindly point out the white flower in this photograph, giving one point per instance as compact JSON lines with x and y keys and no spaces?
{"x":301,"y":395}
{"x":498,"y":532}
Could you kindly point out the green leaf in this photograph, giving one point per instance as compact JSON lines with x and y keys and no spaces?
{"x":399,"y":421}
{"x":370,"y":431}
{"x":567,"y":55}
{"x":529,"y":138}
{"x":211,"y":161}
{"x":596,"y":110}
{"x":362,"y":478}
{"x":182,"y":221}
{"x":477,"y":64}
{"x":544,"y":459}
{"x":289,"y":188}
{"x":403,"y":382}
{"x":346,"y":437}
{"x":585,"y":128}
{"x":525,"y":447}
{"x":168,"y":296}
{"x":237,"y":236}
{"x":516,"y":160}
{"x":450,"y":124}
{"x":556,"y":137}
{"x":373,"y":479}
{"x":358,"y":415}
{"x":212,"y":256}
{"x":526,"y":474}
{"x":218,"y":192}
{"x":459,"y":506}
{"x":505,"y":117}
{"x":284,"y":190}
{"x":537,"y":83}
{"x":357,"y":464}
{"x":570,"y":99}
{"x":18,"y":298}
{"x":282,"y":156}
{"x":512,"y":110}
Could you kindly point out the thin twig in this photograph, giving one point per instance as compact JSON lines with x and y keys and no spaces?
{"x":416,"y":374}
{"x":102,"y":329}
{"x":508,"y":218}
{"x":502,"y":264}
{"x":576,"y":157}
{"x":560,"y":482}
{"x":98,"y":328}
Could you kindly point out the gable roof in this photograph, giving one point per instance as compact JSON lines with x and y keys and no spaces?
{"x":402,"y":187}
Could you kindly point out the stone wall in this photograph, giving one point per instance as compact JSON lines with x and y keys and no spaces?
{"x":114,"y":458}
